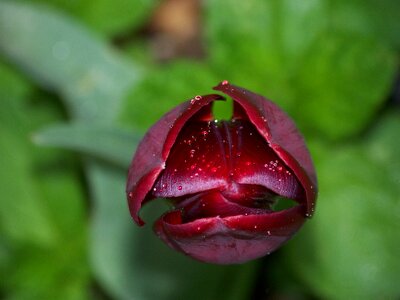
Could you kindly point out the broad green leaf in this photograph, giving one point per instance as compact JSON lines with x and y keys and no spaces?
{"x":112,"y":144}
{"x":340,"y":90}
{"x":132,"y":263}
{"x":23,"y":216}
{"x":330,"y":80}
{"x":369,"y":18}
{"x":349,"y":250}
{"x":164,"y":87}
{"x":108,"y":17}
{"x":59,"y":272}
{"x":42,"y":244}
{"x":62,"y":55}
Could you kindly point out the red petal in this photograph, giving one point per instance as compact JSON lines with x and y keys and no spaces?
{"x":208,"y":155}
{"x":233,"y":239}
{"x":153,"y":150}
{"x":280,"y":132}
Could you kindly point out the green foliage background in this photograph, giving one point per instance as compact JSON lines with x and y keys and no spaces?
{"x":73,"y":107}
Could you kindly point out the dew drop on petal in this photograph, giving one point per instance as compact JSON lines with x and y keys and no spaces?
{"x":198,"y":97}
{"x":225,"y":82}
{"x":180,"y":187}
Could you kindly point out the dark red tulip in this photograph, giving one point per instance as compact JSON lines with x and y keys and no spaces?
{"x":224,"y":177}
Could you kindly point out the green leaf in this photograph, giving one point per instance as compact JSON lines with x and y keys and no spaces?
{"x":23,"y":216}
{"x":132,"y":263}
{"x":369,"y":18}
{"x":42,"y":244}
{"x":349,"y":249}
{"x":164,"y":87}
{"x":60,"y":54}
{"x":112,"y":144}
{"x":107,"y":17}
{"x":330,"y":78}
{"x":340,"y":90}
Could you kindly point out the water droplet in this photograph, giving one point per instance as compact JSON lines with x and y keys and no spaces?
{"x":198,"y":228}
{"x":280,"y":168}
{"x":130,"y":195}
{"x":255,"y":226}
{"x":268,"y":232}
{"x":155,"y":189}
{"x":213,"y":169}
{"x":175,"y":170}
{"x":198,"y":97}
{"x":164,"y":185}
{"x":192,"y":101}
{"x":200,"y":169}
{"x":196,"y":174}
{"x":180,"y":187}
{"x":225,"y":82}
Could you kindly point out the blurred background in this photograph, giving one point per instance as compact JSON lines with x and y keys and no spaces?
{"x":81,"y":81}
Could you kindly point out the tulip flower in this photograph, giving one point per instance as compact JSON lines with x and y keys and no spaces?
{"x":224,"y":177}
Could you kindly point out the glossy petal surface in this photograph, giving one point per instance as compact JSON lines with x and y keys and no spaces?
{"x":152,"y":152}
{"x":229,"y":239}
{"x":281,"y":133}
{"x":224,"y":177}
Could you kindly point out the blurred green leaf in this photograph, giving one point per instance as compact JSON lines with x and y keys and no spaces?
{"x":59,"y":272}
{"x":107,"y":17}
{"x":42,"y":245}
{"x":349,"y":250}
{"x":340,"y":92}
{"x":61,"y":54}
{"x":164,"y":87}
{"x":112,"y":144}
{"x":293,"y":52}
{"x":132,"y":263}
{"x":369,"y":18}
{"x":20,"y":200}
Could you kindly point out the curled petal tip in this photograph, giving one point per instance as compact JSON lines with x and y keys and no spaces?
{"x":225,"y":177}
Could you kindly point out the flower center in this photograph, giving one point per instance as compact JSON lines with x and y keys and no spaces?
{"x":228,"y":156}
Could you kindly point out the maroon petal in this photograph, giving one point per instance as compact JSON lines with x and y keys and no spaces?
{"x":153,"y":150}
{"x":232,"y":239}
{"x":209,"y":155}
{"x":281,"y":134}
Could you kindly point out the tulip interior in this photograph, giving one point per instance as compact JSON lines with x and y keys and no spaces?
{"x":224,"y":168}
{"x":232,"y":182}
